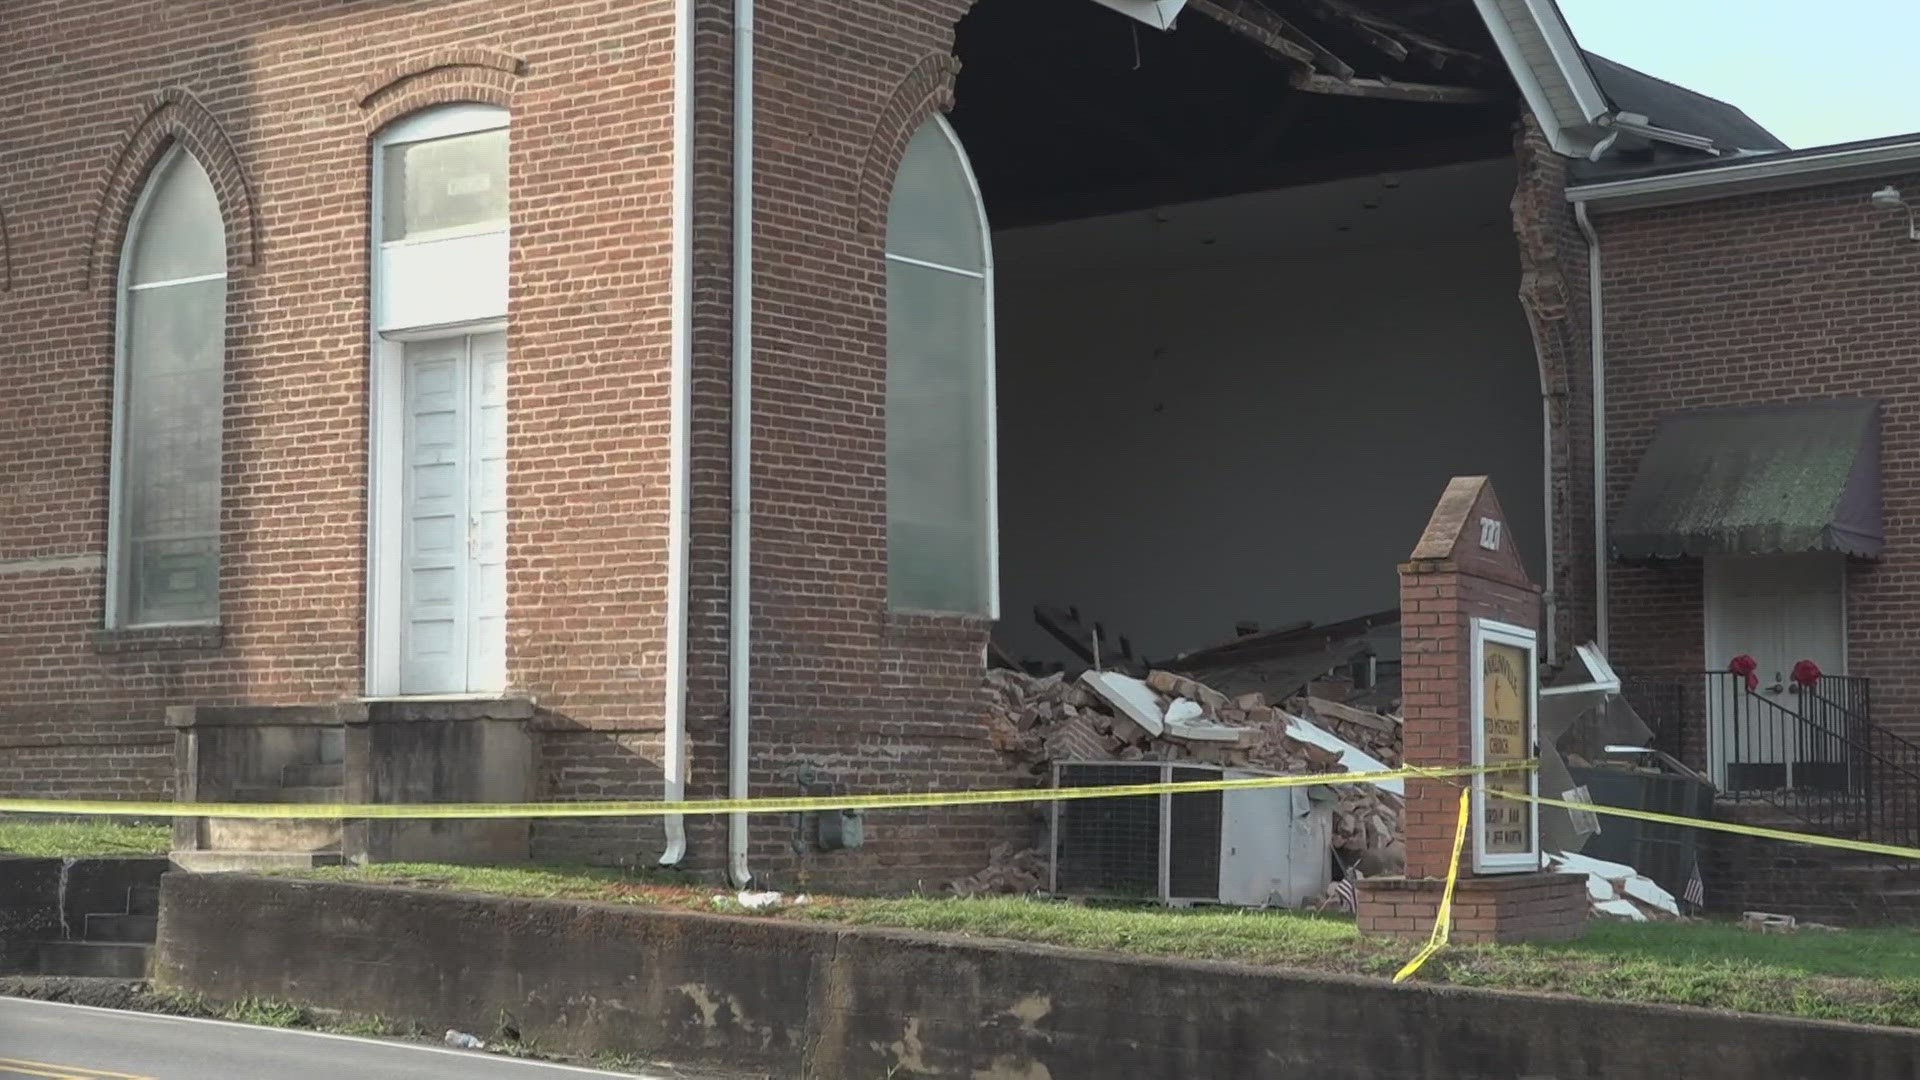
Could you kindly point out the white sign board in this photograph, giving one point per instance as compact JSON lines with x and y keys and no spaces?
{"x":1506,"y":700}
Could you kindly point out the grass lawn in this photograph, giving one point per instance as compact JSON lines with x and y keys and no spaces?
{"x":80,"y":839}
{"x":1866,"y":976}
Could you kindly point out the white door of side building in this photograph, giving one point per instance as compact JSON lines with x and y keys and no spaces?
{"x":1779,"y":610}
{"x":453,"y":528}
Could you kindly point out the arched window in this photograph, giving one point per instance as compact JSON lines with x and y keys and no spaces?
{"x":164,"y":533}
{"x":941,"y":517}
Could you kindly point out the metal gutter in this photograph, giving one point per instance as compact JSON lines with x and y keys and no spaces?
{"x":1596,"y":335}
{"x":740,"y":586}
{"x":679,"y":484}
{"x":1774,"y":172}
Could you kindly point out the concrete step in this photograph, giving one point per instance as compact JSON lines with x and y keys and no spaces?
{"x":291,"y":793}
{"x":94,"y":959}
{"x":136,"y":929}
{"x":314,"y":774}
{"x":222,"y":862}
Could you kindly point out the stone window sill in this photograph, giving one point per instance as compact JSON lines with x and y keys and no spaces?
{"x":143,"y":639}
{"x":929,"y":627}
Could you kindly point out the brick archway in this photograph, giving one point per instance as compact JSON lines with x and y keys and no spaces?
{"x":441,"y":77}
{"x":927,"y":89}
{"x":172,"y":116}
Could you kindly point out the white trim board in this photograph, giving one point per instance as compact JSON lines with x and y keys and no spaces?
{"x":1755,"y":173}
{"x":1483,"y":632}
{"x":387,"y":340}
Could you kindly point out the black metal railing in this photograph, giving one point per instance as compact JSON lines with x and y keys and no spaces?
{"x":1812,"y":752}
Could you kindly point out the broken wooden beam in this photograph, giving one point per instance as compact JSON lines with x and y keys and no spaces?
{"x":1401,"y":39}
{"x":1323,"y":56}
{"x":1380,"y":40}
{"x":1260,"y":26}
{"x":1302,"y":637}
{"x":1389,"y":90}
{"x":1061,"y":623}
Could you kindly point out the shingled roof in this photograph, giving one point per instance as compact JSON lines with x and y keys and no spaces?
{"x":1678,"y":108}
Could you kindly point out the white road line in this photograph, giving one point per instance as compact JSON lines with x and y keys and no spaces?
{"x":471,"y":1055}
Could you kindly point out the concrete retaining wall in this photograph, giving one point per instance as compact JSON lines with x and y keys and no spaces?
{"x":49,"y":899}
{"x":793,"y":999}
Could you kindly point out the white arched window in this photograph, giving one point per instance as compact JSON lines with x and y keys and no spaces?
{"x":437,"y":566}
{"x":163,"y":546}
{"x":941,"y":516}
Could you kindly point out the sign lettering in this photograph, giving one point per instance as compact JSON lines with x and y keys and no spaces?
{"x":1506,"y":702}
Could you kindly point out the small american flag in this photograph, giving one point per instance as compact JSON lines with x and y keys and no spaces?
{"x":1696,"y":891}
{"x":1341,"y":893}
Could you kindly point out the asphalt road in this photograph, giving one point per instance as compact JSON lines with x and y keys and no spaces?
{"x":45,"y":1041}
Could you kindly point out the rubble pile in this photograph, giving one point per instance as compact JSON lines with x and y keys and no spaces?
{"x":1107,"y":716}
{"x":1618,"y":891}
{"x":1008,"y":871}
{"x":1375,"y":733}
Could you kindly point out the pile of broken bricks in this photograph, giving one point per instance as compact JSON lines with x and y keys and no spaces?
{"x":1108,"y":716}
{"x":1376,"y":733}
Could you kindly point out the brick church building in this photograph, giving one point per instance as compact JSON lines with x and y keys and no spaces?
{"x":705,"y":388}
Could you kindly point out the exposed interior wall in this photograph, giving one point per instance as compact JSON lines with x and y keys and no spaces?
{"x":1245,"y":409}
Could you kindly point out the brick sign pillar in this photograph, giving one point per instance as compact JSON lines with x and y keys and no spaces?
{"x":1467,"y":611}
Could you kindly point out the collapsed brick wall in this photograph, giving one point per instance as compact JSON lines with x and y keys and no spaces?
{"x":1554,"y":294}
{"x":278,"y":99}
{"x":844,"y":691}
{"x":846,"y":695}
{"x":1778,"y":297}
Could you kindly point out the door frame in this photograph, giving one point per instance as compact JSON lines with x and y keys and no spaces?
{"x":1716,"y":651}
{"x":386,"y":509}
{"x":483,"y":277}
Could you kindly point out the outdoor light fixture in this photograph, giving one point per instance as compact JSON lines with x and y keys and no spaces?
{"x":1888,"y":198}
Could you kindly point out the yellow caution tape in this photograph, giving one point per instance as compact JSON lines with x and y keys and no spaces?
{"x":776,"y":805}
{"x":1443,"y":917}
{"x":1810,"y":839}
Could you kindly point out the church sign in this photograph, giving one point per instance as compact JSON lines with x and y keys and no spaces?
{"x":1506,"y":832}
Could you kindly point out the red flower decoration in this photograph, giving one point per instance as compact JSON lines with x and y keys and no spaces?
{"x":1805,"y":674}
{"x":1746,"y":667}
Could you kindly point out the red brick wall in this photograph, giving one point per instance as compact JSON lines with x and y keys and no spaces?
{"x":844,"y":693}
{"x":1768,"y":298}
{"x":278,"y":98}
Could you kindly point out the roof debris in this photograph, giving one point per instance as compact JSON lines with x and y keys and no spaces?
{"x":1109,"y":716}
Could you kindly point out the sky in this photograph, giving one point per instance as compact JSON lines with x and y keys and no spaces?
{"x":1813,"y":72}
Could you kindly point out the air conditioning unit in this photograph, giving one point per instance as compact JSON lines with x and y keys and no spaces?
{"x":1257,"y":847}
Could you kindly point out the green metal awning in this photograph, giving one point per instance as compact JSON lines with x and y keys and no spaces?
{"x":1757,"y":480}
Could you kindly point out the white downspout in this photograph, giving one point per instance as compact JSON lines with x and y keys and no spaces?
{"x":680,"y":413}
{"x":1546,"y":483}
{"x":739,"y":590}
{"x":1597,"y":335}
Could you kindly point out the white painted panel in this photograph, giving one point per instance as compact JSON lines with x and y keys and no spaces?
{"x":487,"y":636}
{"x":462,"y":279}
{"x":434,"y":497}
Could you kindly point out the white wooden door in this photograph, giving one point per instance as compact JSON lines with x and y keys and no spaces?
{"x":487,"y":554}
{"x":1779,"y":610}
{"x":453,"y":526}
